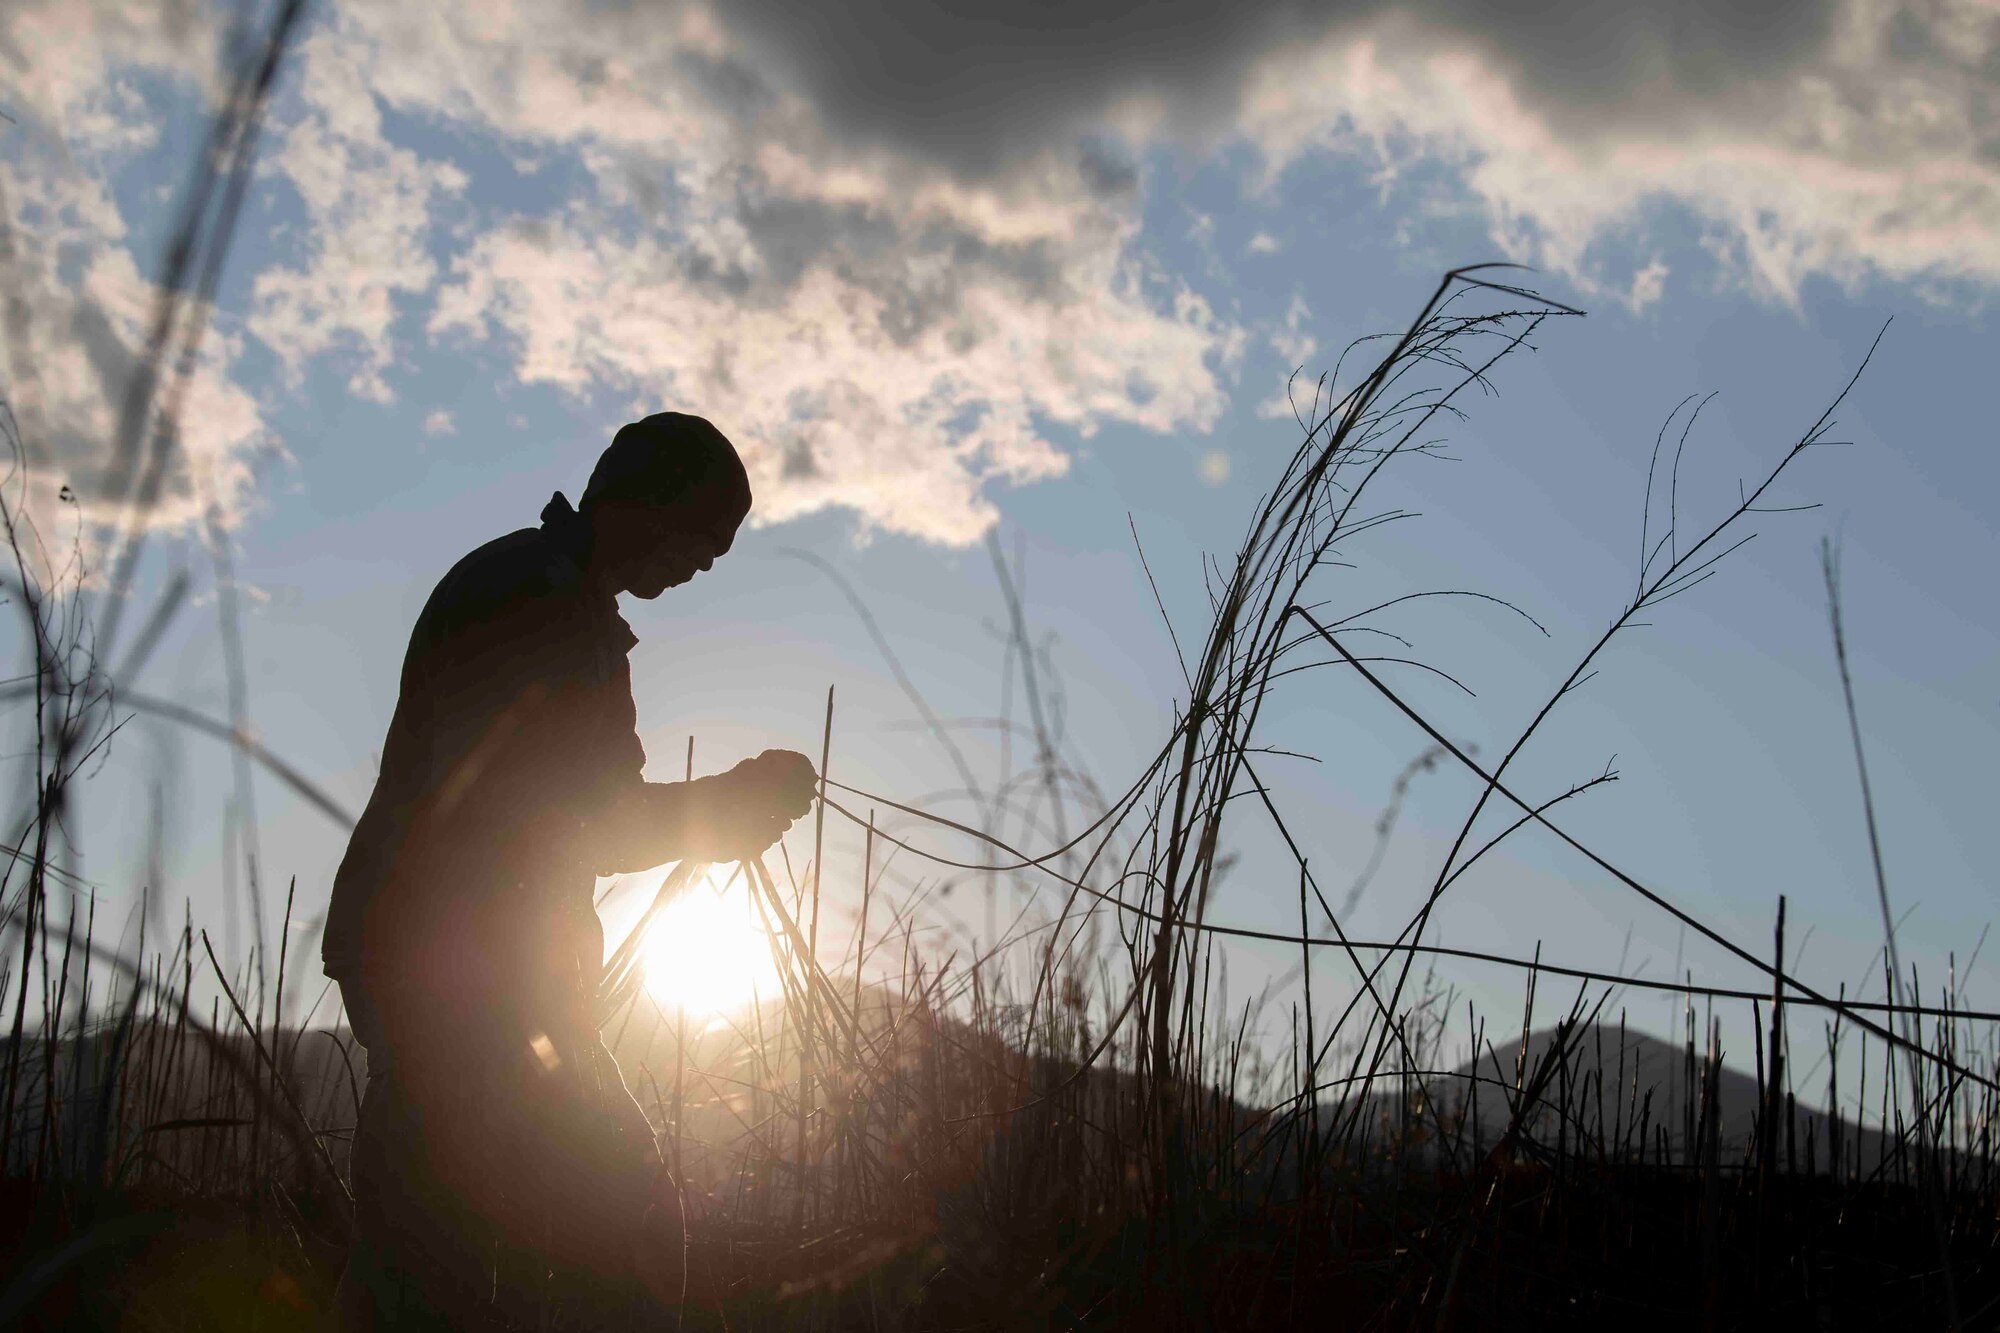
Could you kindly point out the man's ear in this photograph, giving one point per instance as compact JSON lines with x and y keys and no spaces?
{"x":610,"y":517}
{"x":611,"y":531}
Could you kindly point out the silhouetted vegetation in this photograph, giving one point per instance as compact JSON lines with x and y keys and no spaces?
{"x":1075,"y":1124}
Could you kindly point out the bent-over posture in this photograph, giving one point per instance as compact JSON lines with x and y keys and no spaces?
{"x":497,"y":1148}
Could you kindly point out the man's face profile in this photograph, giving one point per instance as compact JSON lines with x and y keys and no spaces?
{"x":650,"y":547}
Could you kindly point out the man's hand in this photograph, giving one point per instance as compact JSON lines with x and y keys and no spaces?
{"x":771,"y":791}
{"x":750,"y":807}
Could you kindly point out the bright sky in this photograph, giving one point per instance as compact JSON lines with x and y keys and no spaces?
{"x":939,"y":277}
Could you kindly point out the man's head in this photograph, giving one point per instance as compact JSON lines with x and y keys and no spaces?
{"x":664,"y":502}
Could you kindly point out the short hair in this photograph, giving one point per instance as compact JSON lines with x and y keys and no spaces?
{"x":667,"y":457}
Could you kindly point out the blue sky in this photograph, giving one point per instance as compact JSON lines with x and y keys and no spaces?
{"x":941,"y":279}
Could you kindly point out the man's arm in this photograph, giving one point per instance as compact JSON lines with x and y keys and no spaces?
{"x":722,"y":818}
{"x":568,"y":747}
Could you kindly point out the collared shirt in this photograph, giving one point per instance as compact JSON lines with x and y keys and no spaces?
{"x":508,"y":778}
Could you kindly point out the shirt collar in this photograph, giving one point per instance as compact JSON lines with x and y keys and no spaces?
{"x":568,"y":535}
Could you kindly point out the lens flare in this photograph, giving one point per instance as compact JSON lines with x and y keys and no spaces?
{"x":707,"y":952}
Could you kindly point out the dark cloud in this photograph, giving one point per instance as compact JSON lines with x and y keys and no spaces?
{"x":977,"y":87}
{"x":1586,"y":63}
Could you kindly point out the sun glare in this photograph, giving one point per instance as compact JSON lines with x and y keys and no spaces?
{"x":708,"y":953}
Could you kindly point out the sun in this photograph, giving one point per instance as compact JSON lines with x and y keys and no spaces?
{"x":707,"y":952}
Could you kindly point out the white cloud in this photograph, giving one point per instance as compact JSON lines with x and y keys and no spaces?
{"x":889,"y":250}
{"x":1293,"y":342}
{"x":70,"y":66}
{"x":1868,"y":152}
{"x":440,"y":422}
{"x":875,"y":332}
{"x":77,"y":307}
{"x":1839,"y":138}
{"x":835,"y":394}
{"x":1648,"y":284}
{"x":368,"y":204}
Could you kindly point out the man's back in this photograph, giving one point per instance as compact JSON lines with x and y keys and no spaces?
{"x":514,"y":720}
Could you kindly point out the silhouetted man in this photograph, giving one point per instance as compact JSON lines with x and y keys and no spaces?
{"x":497,"y":1142}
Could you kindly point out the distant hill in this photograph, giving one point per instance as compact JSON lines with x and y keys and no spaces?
{"x":1625,"y":1087}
